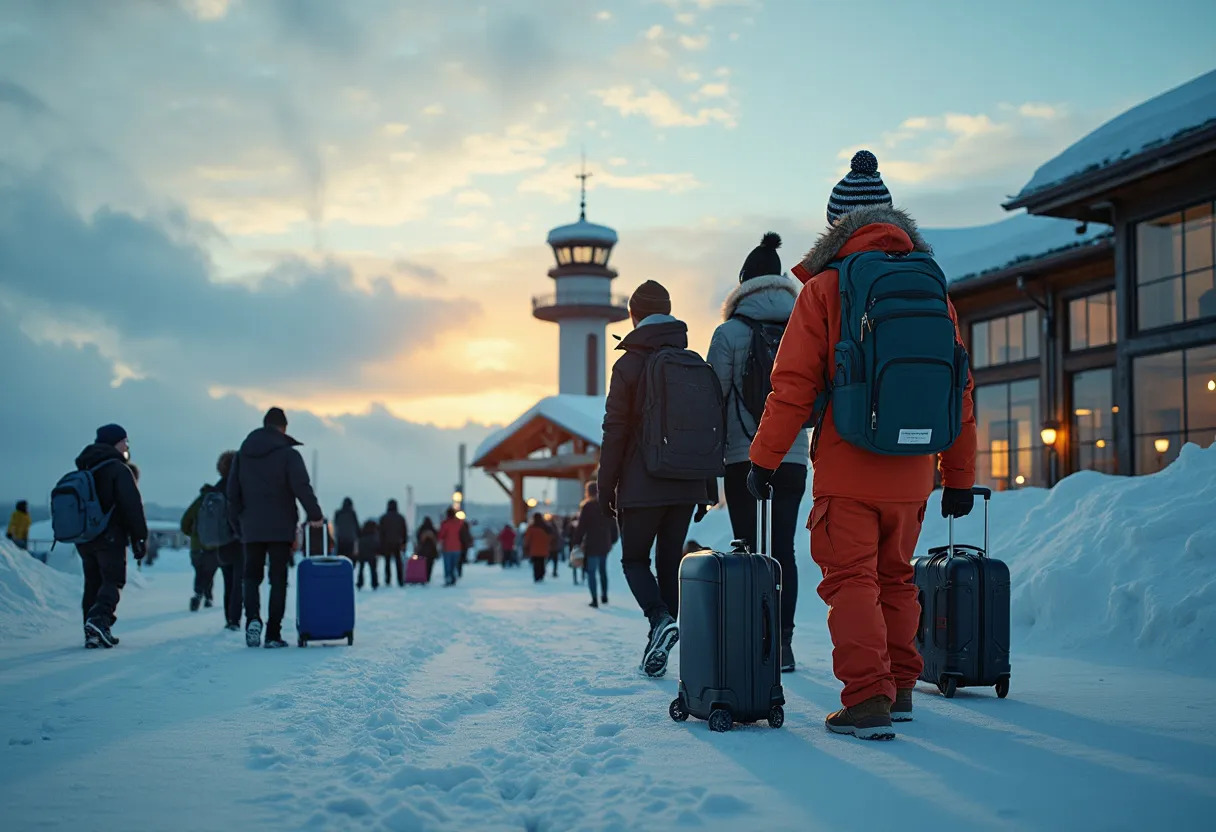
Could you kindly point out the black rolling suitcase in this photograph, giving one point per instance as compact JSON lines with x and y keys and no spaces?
{"x":730,"y":645}
{"x":964,"y":615}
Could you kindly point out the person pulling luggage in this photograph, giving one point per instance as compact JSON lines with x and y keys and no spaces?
{"x":880,"y":436}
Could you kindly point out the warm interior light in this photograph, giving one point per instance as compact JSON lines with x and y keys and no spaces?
{"x":1083,"y":411}
{"x":1115,"y":409}
{"x":1020,"y":480}
{"x":1162,"y":445}
{"x":531,"y":502}
{"x":1101,"y":443}
{"x":1048,"y":435}
{"x":1212,"y":384}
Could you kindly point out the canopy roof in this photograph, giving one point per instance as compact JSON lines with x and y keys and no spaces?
{"x":561,"y":418}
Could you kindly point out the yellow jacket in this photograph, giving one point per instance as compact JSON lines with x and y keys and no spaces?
{"x":19,"y":526}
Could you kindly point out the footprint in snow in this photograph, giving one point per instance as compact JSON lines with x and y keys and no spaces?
{"x":609,"y":729}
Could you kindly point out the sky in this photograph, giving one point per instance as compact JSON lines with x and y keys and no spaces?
{"x":211,"y":206}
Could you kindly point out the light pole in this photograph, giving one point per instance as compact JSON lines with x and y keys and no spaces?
{"x":1050,"y":434}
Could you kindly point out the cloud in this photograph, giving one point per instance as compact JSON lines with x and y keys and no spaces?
{"x":558,"y":181}
{"x":660,"y":108}
{"x":603,"y":16}
{"x":208,"y":10}
{"x":694,"y":43}
{"x":474,"y":198}
{"x":24,"y":101}
{"x":715,"y":90}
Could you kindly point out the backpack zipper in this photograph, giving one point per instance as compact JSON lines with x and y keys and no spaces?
{"x":872,"y":323}
{"x":885,"y":367}
{"x":871,"y":295}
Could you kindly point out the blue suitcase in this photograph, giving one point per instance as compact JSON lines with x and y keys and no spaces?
{"x":325,"y":596}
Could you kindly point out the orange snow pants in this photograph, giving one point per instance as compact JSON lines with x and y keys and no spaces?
{"x":865,"y":551}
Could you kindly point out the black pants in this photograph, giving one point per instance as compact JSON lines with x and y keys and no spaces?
{"x":664,"y":528}
{"x":256,"y":556}
{"x":205,"y":564}
{"x":789,"y":484}
{"x":105,"y":574}
{"x":538,"y":569}
{"x":369,"y":562}
{"x":389,"y":559}
{"x":234,"y":597}
{"x":430,"y":567}
{"x":553,"y":556}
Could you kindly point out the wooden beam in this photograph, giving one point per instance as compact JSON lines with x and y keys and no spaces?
{"x":500,"y":483}
{"x":547,"y":466}
{"x":519,"y":509}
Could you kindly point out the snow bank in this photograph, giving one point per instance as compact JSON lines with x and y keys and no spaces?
{"x":33,"y":596}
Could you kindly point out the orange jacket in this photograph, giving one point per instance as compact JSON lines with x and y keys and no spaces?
{"x":803,"y":363}
{"x":536,"y":542}
{"x":449,"y":535}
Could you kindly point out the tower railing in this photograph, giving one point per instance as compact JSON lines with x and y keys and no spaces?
{"x":580,"y":299}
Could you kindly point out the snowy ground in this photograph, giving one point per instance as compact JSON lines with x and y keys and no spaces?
{"x":500,"y":705}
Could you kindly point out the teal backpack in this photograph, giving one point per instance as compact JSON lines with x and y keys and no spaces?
{"x":900,"y":372}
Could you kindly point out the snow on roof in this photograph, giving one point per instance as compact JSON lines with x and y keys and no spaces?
{"x":581,"y":415}
{"x":582,"y":232}
{"x":1155,"y":122}
{"x":964,"y":252}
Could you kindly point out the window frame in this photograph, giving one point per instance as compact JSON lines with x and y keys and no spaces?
{"x":1182,"y":434}
{"x":1087,"y":304}
{"x":1031,"y":319}
{"x":1179,"y":278}
{"x":1008,"y":455}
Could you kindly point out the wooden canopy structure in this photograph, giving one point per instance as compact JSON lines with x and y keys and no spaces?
{"x":557,"y":438}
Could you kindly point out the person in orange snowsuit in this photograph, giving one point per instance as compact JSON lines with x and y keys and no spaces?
{"x":868,"y":508}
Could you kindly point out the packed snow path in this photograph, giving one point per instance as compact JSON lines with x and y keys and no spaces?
{"x":500,"y":705}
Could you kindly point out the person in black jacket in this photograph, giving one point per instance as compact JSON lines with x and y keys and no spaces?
{"x":231,"y":557}
{"x":104,"y":559}
{"x":365,"y":550}
{"x":596,"y":533}
{"x":346,"y":530}
{"x":394,"y":533}
{"x":268,"y":477}
{"x":653,"y":512}
{"x":427,"y":546}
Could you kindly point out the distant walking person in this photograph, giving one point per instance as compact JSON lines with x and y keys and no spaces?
{"x":205,"y":561}
{"x":267,"y":479}
{"x":451,"y":538}
{"x":104,"y":557}
{"x":742,"y":352}
{"x":346,"y":530}
{"x":366,"y":550}
{"x":231,"y":555}
{"x":596,"y":533}
{"x":394,"y":533}
{"x":651,"y":481}
{"x":466,"y":543}
{"x":427,"y":546}
{"x":506,"y":539}
{"x":536,"y":546}
{"x":19,"y":525}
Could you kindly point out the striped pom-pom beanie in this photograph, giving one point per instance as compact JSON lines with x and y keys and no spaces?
{"x":861,"y":187}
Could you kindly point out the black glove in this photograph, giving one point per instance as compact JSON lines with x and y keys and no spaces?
{"x":607,"y":501}
{"x":759,"y":482}
{"x":701,"y":511}
{"x":957,"y":502}
{"x":139,"y":548}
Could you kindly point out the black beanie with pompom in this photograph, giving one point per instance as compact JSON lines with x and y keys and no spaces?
{"x":763,"y":260}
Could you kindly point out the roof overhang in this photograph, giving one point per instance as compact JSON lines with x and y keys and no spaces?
{"x":1081,"y":197}
{"x":1034,"y":267}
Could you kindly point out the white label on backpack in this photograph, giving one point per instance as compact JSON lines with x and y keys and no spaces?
{"x":916,"y":437}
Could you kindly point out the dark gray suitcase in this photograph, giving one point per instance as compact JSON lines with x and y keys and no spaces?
{"x":730,"y":644}
{"x":964,"y":621}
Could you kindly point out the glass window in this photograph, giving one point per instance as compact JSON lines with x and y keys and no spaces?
{"x":563,"y":256}
{"x":1176,"y":268}
{"x":1175,"y":402}
{"x":1093,"y":425}
{"x":582,"y":254}
{"x":601,"y":256}
{"x":1005,"y":340}
{"x":1009,"y":450}
{"x":1091,"y":321}
{"x":979,"y":344}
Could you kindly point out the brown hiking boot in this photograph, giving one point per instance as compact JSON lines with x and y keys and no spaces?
{"x":869,"y":720}
{"x":901,"y":711}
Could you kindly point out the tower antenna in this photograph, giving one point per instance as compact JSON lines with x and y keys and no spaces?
{"x":583,"y":176}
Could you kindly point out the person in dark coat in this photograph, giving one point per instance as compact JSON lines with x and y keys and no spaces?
{"x":205,"y":561}
{"x":346,"y":530}
{"x":268,"y":478}
{"x":394,"y":532}
{"x":596,"y":533}
{"x":366,"y":549}
{"x":466,"y":543}
{"x":231,"y":557}
{"x":653,"y":512}
{"x":104,"y":559}
{"x":427,"y":546}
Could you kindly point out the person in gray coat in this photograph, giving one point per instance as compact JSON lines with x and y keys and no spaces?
{"x":764,"y":298}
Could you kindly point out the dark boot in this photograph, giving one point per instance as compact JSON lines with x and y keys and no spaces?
{"x":663,"y":637}
{"x":869,"y":720}
{"x":101,"y":631}
{"x":787,"y":652}
{"x":901,"y":711}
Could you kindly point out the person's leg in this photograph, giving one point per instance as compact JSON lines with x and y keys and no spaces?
{"x":359,"y":578}
{"x":789,"y":484}
{"x":594,"y":564}
{"x":844,"y":542}
{"x":92,"y":583}
{"x":639,"y":528}
{"x":237,"y":601}
{"x":112,"y":565}
{"x":255,"y":572}
{"x":740,"y":503}
{"x":279,"y":555}
{"x":604,"y":579}
{"x":374,"y":568}
{"x":900,"y":529}
{"x":669,"y":551}
{"x":226,"y":574}
{"x":430,"y":569}
{"x":211,"y":565}
{"x":538,"y":569}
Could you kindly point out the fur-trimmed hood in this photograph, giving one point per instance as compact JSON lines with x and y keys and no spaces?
{"x":763,"y":298}
{"x":833,"y":240}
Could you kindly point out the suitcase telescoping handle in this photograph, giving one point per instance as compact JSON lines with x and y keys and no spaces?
{"x":308,"y":530}
{"x":764,"y":540}
{"x":979,"y":491}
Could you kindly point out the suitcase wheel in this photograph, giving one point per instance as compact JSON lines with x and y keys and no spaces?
{"x":301,"y":642}
{"x":948,"y":685}
{"x":721,"y":721}
{"x":677,"y":711}
{"x":1002,"y":687}
{"x":350,"y":638}
{"x":776,"y":716}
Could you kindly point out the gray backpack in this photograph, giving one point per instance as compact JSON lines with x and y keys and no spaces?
{"x":212,"y":526}
{"x":76,"y":513}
